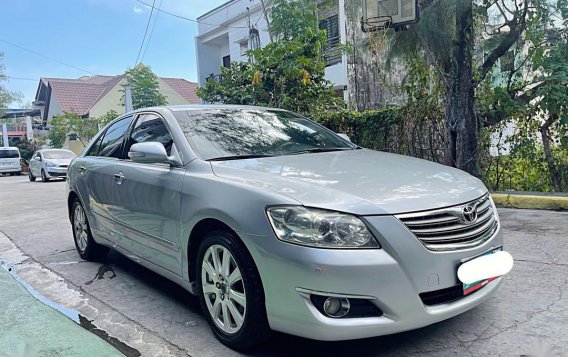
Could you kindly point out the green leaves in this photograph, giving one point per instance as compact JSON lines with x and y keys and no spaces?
{"x":145,"y":87}
{"x":67,"y":123}
{"x":288,"y":73}
{"x":107,"y":118}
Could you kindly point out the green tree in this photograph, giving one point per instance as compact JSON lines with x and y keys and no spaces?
{"x":288,"y":73}
{"x":107,"y":118}
{"x":446,"y":37}
{"x":71,"y":123}
{"x":144,"y":86}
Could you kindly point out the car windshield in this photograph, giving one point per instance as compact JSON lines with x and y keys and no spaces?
{"x":9,"y":154}
{"x":225,"y":134}
{"x":57,"y":154}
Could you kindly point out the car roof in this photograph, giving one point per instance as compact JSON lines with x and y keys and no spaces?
{"x":185,"y":107}
{"x":9,"y":148}
{"x":55,"y":150}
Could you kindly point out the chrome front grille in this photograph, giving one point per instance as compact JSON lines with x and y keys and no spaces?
{"x":454,"y":227}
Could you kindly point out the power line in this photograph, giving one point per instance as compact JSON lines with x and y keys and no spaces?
{"x":47,"y":57}
{"x":145,"y":33}
{"x":151,"y":31}
{"x":192,"y":20}
{"x":22,"y":78}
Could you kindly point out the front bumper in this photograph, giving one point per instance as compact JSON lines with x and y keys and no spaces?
{"x":56,"y":172}
{"x":393,"y":277}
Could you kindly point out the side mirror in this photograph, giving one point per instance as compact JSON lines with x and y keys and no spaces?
{"x":344,"y":136}
{"x":150,"y":153}
{"x":38,"y":158}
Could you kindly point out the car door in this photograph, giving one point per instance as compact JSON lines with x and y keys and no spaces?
{"x":34,"y":164}
{"x":149,"y":198}
{"x":95,"y":181}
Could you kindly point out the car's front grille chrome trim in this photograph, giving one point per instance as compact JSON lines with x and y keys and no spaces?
{"x":447,"y":229}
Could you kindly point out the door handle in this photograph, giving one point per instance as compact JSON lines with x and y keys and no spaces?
{"x":82,"y":170}
{"x":118,"y":177}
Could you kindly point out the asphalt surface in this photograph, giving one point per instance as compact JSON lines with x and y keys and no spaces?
{"x":146,"y":314}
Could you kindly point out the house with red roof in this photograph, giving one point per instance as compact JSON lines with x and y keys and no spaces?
{"x":94,"y":96}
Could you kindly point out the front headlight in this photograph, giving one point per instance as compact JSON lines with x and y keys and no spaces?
{"x":50,"y":164}
{"x":320,"y":228}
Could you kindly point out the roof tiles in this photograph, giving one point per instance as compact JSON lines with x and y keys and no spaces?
{"x":81,"y":94}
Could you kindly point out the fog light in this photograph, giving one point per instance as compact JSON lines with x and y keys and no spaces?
{"x":336,"y":307}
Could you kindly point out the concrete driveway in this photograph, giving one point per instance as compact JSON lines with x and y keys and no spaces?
{"x":142,"y":313}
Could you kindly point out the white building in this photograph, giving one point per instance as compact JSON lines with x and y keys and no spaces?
{"x":223,"y":36}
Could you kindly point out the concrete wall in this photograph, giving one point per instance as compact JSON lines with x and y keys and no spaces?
{"x":232,"y":28}
{"x":111,"y":101}
{"x":172,"y":97}
{"x":215,"y":42}
{"x":54,"y":109}
{"x":208,"y":60}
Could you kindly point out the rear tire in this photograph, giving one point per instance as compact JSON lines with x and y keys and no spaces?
{"x":44,"y":178}
{"x":31,"y":176}
{"x":86,"y":246}
{"x":227,"y":279}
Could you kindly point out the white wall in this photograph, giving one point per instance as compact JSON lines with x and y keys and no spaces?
{"x":214,"y":42}
{"x":54,"y":109}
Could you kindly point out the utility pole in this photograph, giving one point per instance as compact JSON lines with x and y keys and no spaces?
{"x":267,"y":20}
{"x":29,"y":128}
{"x":5,"y":142}
{"x":128,"y":99}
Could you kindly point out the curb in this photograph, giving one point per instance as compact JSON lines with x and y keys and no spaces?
{"x":558,"y":203}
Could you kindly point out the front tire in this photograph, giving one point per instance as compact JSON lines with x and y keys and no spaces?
{"x":86,"y":246}
{"x":31,"y":176}
{"x":44,"y":177}
{"x":230,"y":291}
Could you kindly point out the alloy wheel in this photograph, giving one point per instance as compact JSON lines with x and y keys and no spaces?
{"x":223,"y":289}
{"x":80,"y":227}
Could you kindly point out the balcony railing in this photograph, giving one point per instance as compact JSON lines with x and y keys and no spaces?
{"x":214,"y":77}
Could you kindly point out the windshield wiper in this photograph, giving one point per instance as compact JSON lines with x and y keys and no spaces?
{"x":239,"y":157}
{"x":315,"y":150}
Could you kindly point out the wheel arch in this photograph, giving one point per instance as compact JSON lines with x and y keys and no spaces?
{"x":70,"y":199}
{"x":197,"y":235}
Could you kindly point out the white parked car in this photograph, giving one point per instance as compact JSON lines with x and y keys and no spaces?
{"x":10,"y":161}
{"x":49,"y":164}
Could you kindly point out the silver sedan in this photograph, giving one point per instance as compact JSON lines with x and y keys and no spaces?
{"x":277,"y":223}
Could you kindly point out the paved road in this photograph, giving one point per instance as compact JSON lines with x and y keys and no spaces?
{"x":155,"y":317}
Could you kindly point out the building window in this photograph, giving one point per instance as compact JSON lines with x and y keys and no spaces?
{"x":332,"y":51}
{"x":244,"y":46}
{"x":508,"y":62}
{"x":227,"y":61}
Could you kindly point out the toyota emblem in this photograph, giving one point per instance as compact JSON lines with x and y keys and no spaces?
{"x":469,"y":214}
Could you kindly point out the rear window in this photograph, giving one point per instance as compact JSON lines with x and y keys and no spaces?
{"x":9,"y":154}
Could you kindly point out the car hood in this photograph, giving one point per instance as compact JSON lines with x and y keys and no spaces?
{"x":59,"y":162}
{"x":362,"y":182}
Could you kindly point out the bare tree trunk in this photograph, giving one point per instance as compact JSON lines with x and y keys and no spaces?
{"x":555,"y":178}
{"x":461,"y":121}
